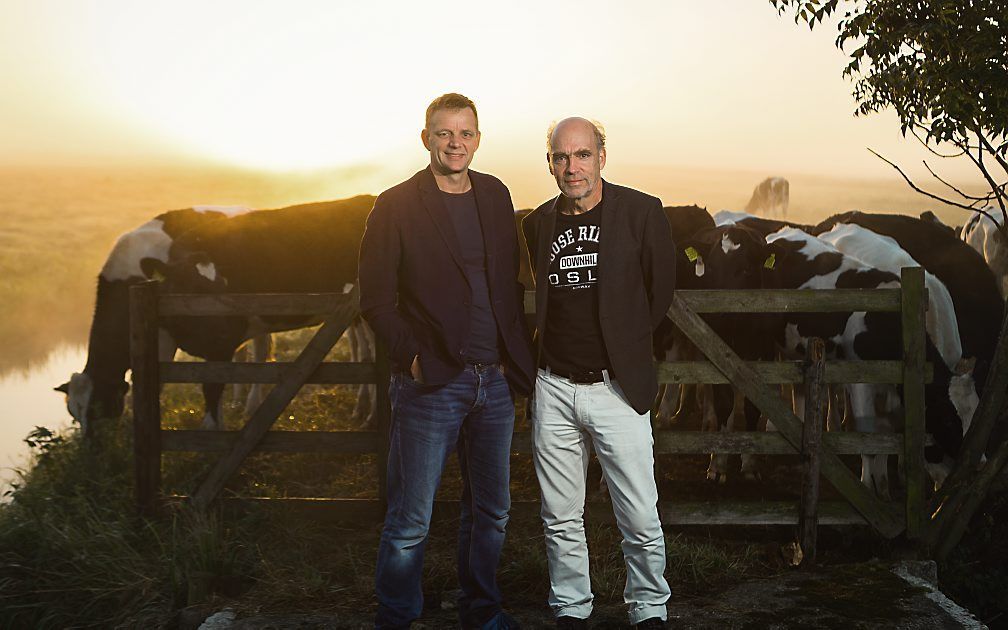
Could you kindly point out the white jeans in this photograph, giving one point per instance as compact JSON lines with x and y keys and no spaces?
{"x":566,"y":418}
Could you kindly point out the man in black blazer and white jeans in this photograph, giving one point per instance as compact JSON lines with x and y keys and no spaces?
{"x":604,"y":268}
{"x":439,"y":285}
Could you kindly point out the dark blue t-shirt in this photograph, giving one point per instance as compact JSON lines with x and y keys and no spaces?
{"x":482,"y":346}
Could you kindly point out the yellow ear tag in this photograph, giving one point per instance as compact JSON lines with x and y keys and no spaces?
{"x":769,"y":262}
{"x":692,"y":254}
{"x":160,"y":277}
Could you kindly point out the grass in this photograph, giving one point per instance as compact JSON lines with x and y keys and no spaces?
{"x":72,"y":553}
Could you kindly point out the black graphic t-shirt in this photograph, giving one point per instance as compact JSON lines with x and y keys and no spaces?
{"x":572,"y":341}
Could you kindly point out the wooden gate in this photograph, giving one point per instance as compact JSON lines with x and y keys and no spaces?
{"x":754,"y":379}
{"x":338,"y":310}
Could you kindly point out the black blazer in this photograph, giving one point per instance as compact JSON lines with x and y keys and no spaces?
{"x":413,"y":287}
{"x":636,"y":280}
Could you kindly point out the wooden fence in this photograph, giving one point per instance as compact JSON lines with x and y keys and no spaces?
{"x":755,"y":379}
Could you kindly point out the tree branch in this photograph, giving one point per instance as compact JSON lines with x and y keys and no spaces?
{"x":961,"y":193}
{"x":987,"y":145}
{"x":978,"y":161}
{"x":923,"y":192}
{"x":928,"y":147}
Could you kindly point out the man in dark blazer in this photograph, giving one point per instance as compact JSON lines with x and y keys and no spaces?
{"x":604,"y":267}
{"x":439,"y":285}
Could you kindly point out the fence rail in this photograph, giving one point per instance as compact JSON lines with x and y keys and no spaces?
{"x":148,"y":308}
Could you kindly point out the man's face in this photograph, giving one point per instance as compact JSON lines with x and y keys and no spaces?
{"x":575,"y":159}
{"x":452,"y":138}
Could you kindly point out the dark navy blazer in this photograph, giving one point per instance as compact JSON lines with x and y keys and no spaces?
{"x":413,"y":287}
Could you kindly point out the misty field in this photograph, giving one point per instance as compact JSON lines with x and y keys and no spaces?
{"x":58,"y":224}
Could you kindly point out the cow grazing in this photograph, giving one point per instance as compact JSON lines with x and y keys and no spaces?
{"x":99,"y":390}
{"x":311,"y":248}
{"x":805,"y":262}
{"x":882,"y":252}
{"x":983,"y":232}
{"x":770,"y":198}
{"x":978,"y":306}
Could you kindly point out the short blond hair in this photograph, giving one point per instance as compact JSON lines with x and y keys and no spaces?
{"x":452,"y":101}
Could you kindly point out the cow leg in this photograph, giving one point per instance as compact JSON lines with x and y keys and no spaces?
{"x":371,"y":389}
{"x":362,"y":350}
{"x":670,"y":399}
{"x":213,"y":396}
{"x":709,"y":419}
{"x":750,"y":461}
{"x":213,"y":415}
{"x":725,"y":400}
{"x":262,"y":352}
{"x":687,"y":394}
{"x":874,"y":472}
{"x":240,"y":356}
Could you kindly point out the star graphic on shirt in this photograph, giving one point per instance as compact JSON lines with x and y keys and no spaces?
{"x":580,"y":248}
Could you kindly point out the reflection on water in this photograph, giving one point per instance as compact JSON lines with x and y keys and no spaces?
{"x":27,"y":400}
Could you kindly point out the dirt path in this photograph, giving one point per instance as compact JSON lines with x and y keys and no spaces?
{"x":854,"y":596}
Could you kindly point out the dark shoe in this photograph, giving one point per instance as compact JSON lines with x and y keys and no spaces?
{"x":571,"y":623}
{"x":502,"y":621}
{"x":654,"y":623}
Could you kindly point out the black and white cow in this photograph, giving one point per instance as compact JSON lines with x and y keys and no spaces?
{"x":311,"y":248}
{"x":669,"y":343}
{"x":882,"y":252}
{"x":806,"y":262}
{"x":983,"y":232}
{"x":973,"y":287}
{"x":732,"y":257}
{"x":770,"y":198}
{"x":99,"y":390}
{"x":762,"y":225}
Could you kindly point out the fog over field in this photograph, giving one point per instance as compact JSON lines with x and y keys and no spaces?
{"x":58,"y":224}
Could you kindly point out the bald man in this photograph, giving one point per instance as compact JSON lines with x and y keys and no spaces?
{"x":604,"y":268}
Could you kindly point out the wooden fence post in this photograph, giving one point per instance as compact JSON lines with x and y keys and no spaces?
{"x":143,"y":309}
{"x":383,"y":414}
{"x":815,"y":414}
{"x":912,"y":313}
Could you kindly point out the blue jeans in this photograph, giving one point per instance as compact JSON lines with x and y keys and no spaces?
{"x":475,"y":415}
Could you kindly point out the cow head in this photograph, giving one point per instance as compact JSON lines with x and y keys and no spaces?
{"x":726,"y":257}
{"x":191,"y":273}
{"x":89,"y":399}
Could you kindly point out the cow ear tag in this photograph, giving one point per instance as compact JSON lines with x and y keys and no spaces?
{"x":692,"y":254}
{"x":700,"y":268}
{"x":770,"y":261}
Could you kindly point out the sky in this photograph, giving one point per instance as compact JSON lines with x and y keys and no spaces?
{"x":331,"y":84}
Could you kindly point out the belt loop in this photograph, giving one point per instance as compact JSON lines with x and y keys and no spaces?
{"x":605,"y":377}
{"x":547,"y":370}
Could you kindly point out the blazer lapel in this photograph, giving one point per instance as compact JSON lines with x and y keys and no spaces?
{"x":607,"y":232}
{"x":547,"y":225}
{"x":484,"y":206}
{"x":433,"y":202}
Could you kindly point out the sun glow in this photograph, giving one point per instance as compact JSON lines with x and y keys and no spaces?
{"x":320,"y":85}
